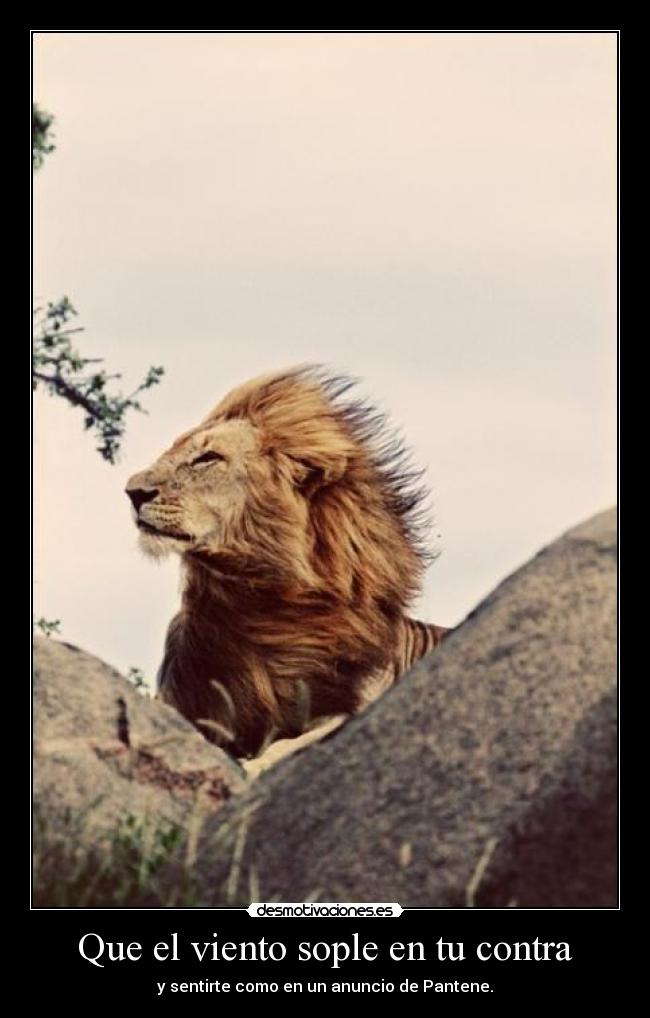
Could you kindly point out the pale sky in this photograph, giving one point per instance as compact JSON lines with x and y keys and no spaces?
{"x":435,"y":213}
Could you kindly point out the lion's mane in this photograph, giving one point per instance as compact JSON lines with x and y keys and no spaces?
{"x":309,"y":597}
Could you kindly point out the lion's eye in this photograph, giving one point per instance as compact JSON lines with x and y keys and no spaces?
{"x":208,"y":457}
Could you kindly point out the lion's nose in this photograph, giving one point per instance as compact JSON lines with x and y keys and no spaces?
{"x":139,"y":496}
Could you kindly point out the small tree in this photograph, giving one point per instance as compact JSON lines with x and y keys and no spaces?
{"x":59,"y":367}
{"x":63,"y":371}
{"x":42,"y":143}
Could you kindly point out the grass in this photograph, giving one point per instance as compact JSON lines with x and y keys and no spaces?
{"x":145,"y":862}
{"x":121,"y":869}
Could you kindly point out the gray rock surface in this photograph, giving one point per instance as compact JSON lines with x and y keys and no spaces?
{"x":109,"y":762}
{"x":486,"y":777}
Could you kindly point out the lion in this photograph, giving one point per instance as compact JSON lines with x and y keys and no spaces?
{"x":301,"y":532}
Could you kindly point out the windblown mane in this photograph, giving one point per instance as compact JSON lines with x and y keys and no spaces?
{"x":329,"y":554}
{"x":304,"y":414}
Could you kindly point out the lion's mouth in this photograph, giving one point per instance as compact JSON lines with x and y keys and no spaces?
{"x":175,"y":534}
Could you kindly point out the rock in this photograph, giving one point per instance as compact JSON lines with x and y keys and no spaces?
{"x":486,"y":777}
{"x":112,"y":768}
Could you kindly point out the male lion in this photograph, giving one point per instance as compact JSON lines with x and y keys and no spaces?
{"x":301,"y":540}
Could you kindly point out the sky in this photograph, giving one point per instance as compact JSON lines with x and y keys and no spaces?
{"x":434,"y":213}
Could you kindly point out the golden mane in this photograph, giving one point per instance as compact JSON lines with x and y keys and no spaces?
{"x":303,"y":415}
{"x":306,"y":600}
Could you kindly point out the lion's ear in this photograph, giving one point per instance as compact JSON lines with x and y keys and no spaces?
{"x":312,"y":475}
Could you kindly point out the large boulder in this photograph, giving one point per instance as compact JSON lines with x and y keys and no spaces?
{"x":486,"y":777}
{"x":119,"y":780}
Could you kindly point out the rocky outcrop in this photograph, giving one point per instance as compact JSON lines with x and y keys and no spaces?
{"x":114,"y":771}
{"x":487,"y":777}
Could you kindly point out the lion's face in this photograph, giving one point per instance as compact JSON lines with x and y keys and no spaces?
{"x":286,"y":486}
{"x":195,"y":494}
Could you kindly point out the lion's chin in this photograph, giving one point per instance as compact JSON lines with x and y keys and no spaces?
{"x":157,"y":544}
